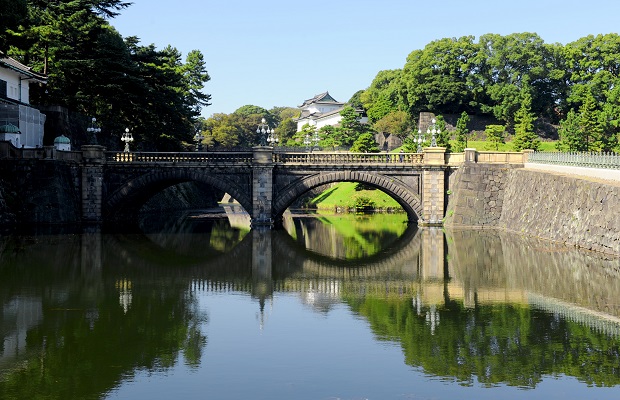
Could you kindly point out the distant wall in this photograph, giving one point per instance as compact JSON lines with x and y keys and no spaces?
{"x":572,"y":210}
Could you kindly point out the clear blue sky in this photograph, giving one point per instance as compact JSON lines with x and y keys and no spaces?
{"x":278,"y":53}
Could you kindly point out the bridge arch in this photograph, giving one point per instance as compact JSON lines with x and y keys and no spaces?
{"x":126,"y":200}
{"x":409,"y":200}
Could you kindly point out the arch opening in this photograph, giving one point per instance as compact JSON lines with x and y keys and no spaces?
{"x":154,"y":192}
{"x":397,"y":190}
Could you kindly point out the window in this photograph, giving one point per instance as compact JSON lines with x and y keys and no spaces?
{"x":3,"y":89}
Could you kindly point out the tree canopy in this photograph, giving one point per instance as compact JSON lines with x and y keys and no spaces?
{"x":94,"y":71}
{"x":488,"y":78}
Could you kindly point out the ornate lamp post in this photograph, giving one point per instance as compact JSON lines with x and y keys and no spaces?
{"x":198,"y":139}
{"x":263,"y":130}
{"x":419,"y":140}
{"x":433,"y":130}
{"x":127,"y":137}
{"x":315,"y":140}
{"x":273,"y":139}
{"x":307,"y":142}
{"x":93,"y":129}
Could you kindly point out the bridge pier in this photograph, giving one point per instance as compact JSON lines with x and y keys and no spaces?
{"x":262,"y":186}
{"x":93,"y":158}
{"x":433,"y":187}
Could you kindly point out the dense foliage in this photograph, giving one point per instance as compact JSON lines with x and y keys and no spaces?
{"x":522,"y":82}
{"x":93,"y":70}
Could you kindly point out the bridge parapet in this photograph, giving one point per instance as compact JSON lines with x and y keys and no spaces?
{"x":225,"y":157}
{"x":324,"y":158}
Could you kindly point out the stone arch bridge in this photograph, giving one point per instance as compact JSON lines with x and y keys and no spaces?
{"x":114,"y":185}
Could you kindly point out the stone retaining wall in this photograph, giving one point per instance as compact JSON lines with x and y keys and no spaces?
{"x":577,"y":211}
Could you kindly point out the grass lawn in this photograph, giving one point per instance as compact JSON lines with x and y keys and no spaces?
{"x":482,"y":145}
{"x":346,"y":194}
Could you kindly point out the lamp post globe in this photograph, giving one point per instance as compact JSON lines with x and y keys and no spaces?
{"x":93,"y":129}
{"x":264,"y":131}
{"x":127,"y":138}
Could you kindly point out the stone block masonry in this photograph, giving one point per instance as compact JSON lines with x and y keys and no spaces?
{"x":566,"y":209}
{"x":578,"y":211}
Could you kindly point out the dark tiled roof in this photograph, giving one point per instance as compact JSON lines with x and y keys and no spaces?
{"x":320,"y":98}
{"x":10,"y":63}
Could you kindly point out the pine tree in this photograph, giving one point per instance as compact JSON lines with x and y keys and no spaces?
{"x":571,"y":137}
{"x":525,"y":137}
{"x":461,"y":132}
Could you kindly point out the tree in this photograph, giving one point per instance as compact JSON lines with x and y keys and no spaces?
{"x":350,"y":126}
{"x":286,"y":130}
{"x":589,"y":124}
{"x":365,"y":143}
{"x":303,"y":137}
{"x":12,"y":14}
{"x":525,"y":137}
{"x":443,"y":137}
{"x":571,"y":138}
{"x":495,"y":134}
{"x":397,"y":123}
{"x":461,"y":132}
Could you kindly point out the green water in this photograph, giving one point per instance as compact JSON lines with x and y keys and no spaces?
{"x":333,"y":307}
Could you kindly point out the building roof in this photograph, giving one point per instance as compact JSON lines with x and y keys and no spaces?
{"x":10,"y":63}
{"x":321,"y":98}
{"x":62,"y":139}
{"x":9,"y":128}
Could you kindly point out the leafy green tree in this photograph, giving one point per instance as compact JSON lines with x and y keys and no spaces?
{"x":397,"y":123}
{"x":12,"y":14}
{"x":461,"y":132}
{"x":495,"y":134}
{"x":439,"y":76}
{"x":350,"y":126}
{"x":303,"y":137}
{"x":356,"y":101}
{"x":330,"y":137}
{"x":383,"y":96}
{"x":286,"y":130}
{"x":505,"y":63}
{"x":525,"y":137}
{"x":365,"y":143}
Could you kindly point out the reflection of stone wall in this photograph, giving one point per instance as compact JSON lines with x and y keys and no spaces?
{"x":489,"y":258}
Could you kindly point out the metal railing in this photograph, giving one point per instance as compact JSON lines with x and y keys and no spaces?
{"x":584,"y":159}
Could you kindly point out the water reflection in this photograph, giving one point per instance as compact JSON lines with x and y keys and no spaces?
{"x":83,"y":313}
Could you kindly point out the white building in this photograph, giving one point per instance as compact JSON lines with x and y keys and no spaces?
{"x":20,"y":124}
{"x":320,"y":111}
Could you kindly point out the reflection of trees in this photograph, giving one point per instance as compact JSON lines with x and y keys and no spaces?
{"x":347,"y":236}
{"x":494,"y":344}
{"x":83,"y":349}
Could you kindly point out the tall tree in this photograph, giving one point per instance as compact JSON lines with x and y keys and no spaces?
{"x":350,"y":126}
{"x":12,"y":14}
{"x":571,"y":137}
{"x":461,"y":132}
{"x":525,"y":137}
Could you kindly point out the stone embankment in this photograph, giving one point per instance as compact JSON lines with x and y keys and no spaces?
{"x":574,"y":210}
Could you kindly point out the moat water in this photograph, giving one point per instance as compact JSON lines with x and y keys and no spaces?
{"x":332,"y":307}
